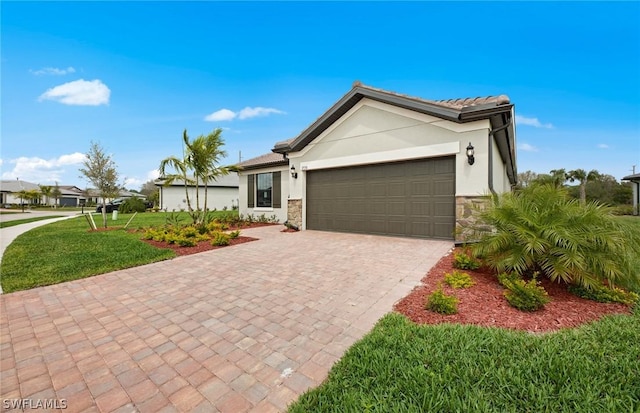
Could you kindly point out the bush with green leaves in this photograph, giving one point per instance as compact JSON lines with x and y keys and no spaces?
{"x":464,"y":261}
{"x":234,"y":234}
{"x":525,"y":295}
{"x":219,"y":239}
{"x":604,"y":294}
{"x":540,"y":229}
{"x":131,"y":205}
{"x":442,"y":303}
{"x":459,"y":279}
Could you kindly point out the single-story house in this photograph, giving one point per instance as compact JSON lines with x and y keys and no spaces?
{"x":71,"y":195}
{"x":9,"y":189}
{"x":635,"y":183}
{"x":96,"y":199}
{"x":221,"y":194}
{"x":378,"y":162}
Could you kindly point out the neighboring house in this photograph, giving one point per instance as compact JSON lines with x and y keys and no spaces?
{"x":221,"y":193}
{"x":378,"y":162}
{"x":96,"y":199}
{"x":9,"y":191}
{"x":71,"y":196}
{"x":635,"y":183}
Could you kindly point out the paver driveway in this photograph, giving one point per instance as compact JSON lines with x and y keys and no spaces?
{"x":244,"y":328}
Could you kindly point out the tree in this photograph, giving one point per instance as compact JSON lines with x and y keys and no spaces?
{"x":56,"y":193}
{"x":526,"y":178}
{"x":46,"y":192}
{"x":200,"y":159}
{"x":101,"y":171}
{"x":583,"y":177}
{"x":150,"y":190}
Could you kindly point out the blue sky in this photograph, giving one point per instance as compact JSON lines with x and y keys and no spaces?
{"x":133,"y":76}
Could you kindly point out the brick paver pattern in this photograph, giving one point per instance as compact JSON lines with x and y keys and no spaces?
{"x":243,"y":328}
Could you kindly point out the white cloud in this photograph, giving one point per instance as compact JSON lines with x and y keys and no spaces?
{"x":603,"y":146}
{"x":522,"y":120}
{"x":222,"y":114}
{"x":527,"y":148}
{"x":153,"y":175}
{"x":79,"y":92}
{"x":38,"y":170}
{"x":246,"y":113}
{"x":52,"y":71}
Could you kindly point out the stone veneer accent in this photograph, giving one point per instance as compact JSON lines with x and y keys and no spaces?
{"x":466,"y":207}
{"x":294,"y":212}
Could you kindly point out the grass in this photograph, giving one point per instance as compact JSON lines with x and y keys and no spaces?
{"x":67,"y":250}
{"x":25,"y":221}
{"x":403,"y":367}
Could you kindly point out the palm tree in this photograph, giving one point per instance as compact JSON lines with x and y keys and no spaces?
{"x":181,"y":166}
{"x":205,"y":153}
{"x":558,"y":177}
{"x":46,"y":192}
{"x":583,"y":177}
{"x":201,"y":156}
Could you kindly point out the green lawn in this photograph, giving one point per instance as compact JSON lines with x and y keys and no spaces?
{"x":67,"y":250}
{"x":25,"y":221}
{"x":402,"y":367}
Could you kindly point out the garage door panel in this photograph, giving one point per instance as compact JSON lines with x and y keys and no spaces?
{"x":414,"y":198}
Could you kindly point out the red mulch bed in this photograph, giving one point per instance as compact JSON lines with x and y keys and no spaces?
{"x":201,"y":247}
{"x":484,"y":304}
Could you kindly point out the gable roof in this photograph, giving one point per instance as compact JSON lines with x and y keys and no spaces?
{"x":497,"y":109}
{"x":264,"y":161}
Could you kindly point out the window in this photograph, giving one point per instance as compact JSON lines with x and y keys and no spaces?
{"x":264,"y":190}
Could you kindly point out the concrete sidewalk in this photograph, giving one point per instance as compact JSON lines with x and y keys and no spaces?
{"x":243,"y":328}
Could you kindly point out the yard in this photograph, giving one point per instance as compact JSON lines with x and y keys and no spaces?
{"x":68,"y":250}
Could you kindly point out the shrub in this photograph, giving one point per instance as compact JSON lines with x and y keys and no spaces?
{"x":186,"y":242}
{"x":220,"y":239}
{"x":458,"y":279}
{"x":441,"y":303}
{"x":506,"y":278}
{"x":540,"y":229}
{"x":525,"y":295}
{"x":604,"y":294}
{"x":132,"y":205}
{"x":465,"y":262}
{"x":234,"y":234}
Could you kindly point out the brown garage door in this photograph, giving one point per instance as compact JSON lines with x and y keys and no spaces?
{"x":413,"y":198}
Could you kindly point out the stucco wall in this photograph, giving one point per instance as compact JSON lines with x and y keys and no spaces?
{"x":374,"y":132}
{"x":280,"y":213}
{"x":173,"y":198}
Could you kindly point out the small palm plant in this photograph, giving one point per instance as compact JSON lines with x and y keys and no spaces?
{"x":540,"y":229}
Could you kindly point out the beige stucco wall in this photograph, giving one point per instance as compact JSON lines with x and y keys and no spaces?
{"x":173,"y":198}
{"x":373,"y":132}
{"x":280,"y":213}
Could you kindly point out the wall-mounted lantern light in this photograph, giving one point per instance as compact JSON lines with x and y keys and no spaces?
{"x":294,"y":174}
{"x":470,"y":153}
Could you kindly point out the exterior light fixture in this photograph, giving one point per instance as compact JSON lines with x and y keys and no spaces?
{"x":294,"y":174}
{"x":470,"y":153}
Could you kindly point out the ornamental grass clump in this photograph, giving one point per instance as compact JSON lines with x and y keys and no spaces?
{"x":539,"y":229}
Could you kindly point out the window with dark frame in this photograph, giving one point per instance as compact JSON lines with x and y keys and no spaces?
{"x":264,"y":190}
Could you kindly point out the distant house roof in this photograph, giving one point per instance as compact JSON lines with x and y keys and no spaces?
{"x":226,"y":181}
{"x":632,"y":178}
{"x":13,"y":186}
{"x":263,"y":161}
